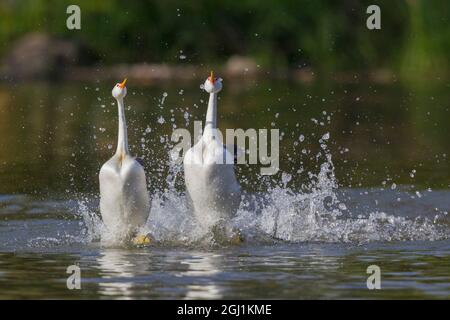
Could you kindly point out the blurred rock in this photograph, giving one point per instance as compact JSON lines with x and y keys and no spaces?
{"x":237,"y":66}
{"x":304,"y":75}
{"x":40,"y":56}
{"x":381,"y":76}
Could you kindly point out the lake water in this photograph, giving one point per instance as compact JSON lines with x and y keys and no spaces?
{"x":364,"y":180}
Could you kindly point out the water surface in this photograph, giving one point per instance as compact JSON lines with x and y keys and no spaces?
{"x":364,"y":179}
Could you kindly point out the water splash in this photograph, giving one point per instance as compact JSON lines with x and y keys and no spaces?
{"x":280,"y":214}
{"x":312,"y":213}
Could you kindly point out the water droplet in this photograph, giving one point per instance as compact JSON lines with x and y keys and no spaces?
{"x":163,"y":98}
{"x":161,"y":120}
{"x":285,"y":178}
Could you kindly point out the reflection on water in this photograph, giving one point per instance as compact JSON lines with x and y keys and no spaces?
{"x":117,"y":273}
{"x":300,"y":271}
{"x":125,"y":274}
{"x":203,"y":265}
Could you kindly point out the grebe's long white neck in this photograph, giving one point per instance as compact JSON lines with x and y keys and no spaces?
{"x":122,"y":141}
{"x":212,"y":86}
{"x":211,"y":116}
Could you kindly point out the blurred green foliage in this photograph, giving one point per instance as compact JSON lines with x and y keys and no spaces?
{"x":328,"y":35}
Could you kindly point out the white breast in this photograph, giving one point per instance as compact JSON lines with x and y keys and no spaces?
{"x":124,"y":200}
{"x":212,"y":186}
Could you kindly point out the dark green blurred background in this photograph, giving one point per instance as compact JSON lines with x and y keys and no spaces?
{"x":325,"y":35}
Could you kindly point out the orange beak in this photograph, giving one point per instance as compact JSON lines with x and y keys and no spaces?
{"x":211,"y":78}
{"x":123,"y":83}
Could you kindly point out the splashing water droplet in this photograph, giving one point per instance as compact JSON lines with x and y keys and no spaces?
{"x":282,"y":212}
{"x":161,"y":120}
{"x":164,"y":96}
{"x":285,"y":178}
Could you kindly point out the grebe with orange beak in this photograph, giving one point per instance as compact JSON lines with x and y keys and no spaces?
{"x":124,"y":200}
{"x":209,"y":170}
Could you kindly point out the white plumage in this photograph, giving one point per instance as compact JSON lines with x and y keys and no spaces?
{"x":124,"y":200}
{"x":209,"y":169}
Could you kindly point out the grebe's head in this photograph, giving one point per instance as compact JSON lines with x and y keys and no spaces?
{"x":119,"y":90}
{"x":213,"y":85}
